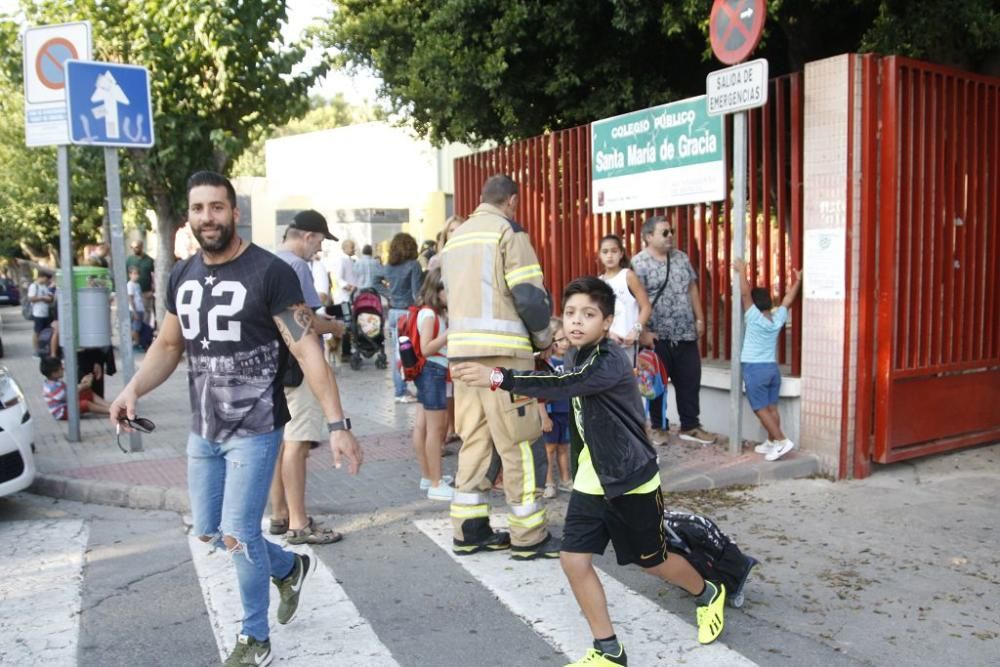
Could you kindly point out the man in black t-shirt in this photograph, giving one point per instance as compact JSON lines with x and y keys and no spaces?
{"x":237,"y":311}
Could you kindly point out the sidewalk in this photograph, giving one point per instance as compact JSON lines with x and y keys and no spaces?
{"x":94,"y":470}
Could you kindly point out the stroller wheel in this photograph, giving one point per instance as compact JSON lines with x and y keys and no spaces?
{"x":355,"y":363}
{"x":381,"y":363}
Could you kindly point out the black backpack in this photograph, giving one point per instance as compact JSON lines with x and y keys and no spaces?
{"x":710,"y":551}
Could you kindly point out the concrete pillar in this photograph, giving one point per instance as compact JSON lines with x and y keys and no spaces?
{"x":831,"y":203}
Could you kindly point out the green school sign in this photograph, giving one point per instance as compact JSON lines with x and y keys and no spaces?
{"x":667,"y":155}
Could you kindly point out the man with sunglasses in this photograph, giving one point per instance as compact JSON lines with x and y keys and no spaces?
{"x":236,"y":311}
{"x":676,"y":324}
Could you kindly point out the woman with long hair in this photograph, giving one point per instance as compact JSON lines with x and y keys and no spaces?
{"x":432,"y":414}
{"x":399,"y":281}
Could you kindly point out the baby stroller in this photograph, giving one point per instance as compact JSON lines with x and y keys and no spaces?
{"x":366,"y":330}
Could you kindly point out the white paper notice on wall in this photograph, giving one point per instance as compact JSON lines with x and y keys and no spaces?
{"x":824,"y":263}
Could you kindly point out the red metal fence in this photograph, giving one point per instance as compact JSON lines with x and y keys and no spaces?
{"x":553,"y":172}
{"x":937,"y":355}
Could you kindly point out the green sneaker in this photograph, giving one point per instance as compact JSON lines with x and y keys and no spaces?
{"x":249,"y":651}
{"x":290,"y":588}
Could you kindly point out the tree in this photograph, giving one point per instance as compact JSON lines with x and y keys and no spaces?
{"x":323,"y":114}
{"x":472,"y":70}
{"x":221,"y":75}
{"x":29,"y":211}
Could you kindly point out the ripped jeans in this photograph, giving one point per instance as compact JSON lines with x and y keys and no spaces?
{"x":228,"y":483}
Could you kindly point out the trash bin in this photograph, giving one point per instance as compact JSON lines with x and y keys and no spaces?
{"x":91,"y":291}
{"x":91,"y":276}
{"x":93,"y":317}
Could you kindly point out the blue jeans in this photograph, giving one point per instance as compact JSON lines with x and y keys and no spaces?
{"x":397,"y":376}
{"x":228,"y":483}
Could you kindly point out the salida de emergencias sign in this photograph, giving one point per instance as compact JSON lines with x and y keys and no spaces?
{"x":666,"y":155}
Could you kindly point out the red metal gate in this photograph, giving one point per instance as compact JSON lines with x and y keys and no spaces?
{"x":935,"y":259}
{"x":553,"y":172}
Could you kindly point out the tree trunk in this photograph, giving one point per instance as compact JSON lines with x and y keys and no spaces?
{"x":167,"y":224}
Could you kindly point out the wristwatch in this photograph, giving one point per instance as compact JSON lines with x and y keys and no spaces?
{"x":496,"y":377}
{"x":638,"y":327}
{"x":341,"y":425}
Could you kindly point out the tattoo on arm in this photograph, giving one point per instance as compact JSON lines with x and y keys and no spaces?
{"x":294,"y":323}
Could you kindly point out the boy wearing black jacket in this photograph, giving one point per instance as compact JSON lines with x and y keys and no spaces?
{"x":616,"y":487}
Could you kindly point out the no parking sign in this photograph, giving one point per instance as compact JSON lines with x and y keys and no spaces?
{"x":735,"y":28}
{"x":46,"y":50}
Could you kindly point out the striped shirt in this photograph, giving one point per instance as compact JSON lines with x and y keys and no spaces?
{"x":54,"y":392}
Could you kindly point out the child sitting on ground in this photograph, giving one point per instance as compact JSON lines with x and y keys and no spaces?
{"x":761,"y":375}
{"x":54,"y":390}
{"x":616,"y":489}
{"x":555,"y":418}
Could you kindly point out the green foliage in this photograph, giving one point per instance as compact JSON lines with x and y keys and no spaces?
{"x":472,"y":70}
{"x":963,"y":33}
{"x":323,"y":114}
{"x":220,"y":76}
{"x":29,"y":207}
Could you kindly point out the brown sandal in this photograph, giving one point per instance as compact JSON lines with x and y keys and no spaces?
{"x":278,"y":526}
{"x":313,"y":535}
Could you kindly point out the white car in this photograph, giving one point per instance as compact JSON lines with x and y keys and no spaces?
{"x":17,"y":437}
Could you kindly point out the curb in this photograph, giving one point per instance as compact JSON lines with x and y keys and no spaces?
{"x":756,"y":473}
{"x":142,"y":497}
{"x":116,"y":494}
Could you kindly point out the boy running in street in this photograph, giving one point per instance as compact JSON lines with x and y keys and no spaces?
{"x":616,"y":489}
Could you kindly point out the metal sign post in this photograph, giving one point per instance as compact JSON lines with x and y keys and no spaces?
{"x":120,"y":274}
{"x":735,"y":28}
{"x":109,"y":104}
{"x":738,"y":219}
{"x":67,"y":314}
{"x":46,"y":49}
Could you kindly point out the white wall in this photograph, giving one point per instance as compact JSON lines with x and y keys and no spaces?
{"x":370,"y":166}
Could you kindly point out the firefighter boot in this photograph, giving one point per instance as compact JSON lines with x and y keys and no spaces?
{"x":478,"y":536}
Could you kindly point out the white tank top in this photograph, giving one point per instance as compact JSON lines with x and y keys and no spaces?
{"x":626,"y":307}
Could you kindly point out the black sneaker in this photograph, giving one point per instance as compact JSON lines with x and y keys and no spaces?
{"x":497,"y":541}
{"x":249,"y":651}
{"x":290,"y":588}
{"x":547,"y":548}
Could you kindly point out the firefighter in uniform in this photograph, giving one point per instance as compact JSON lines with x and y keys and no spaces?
{"x":498,"y":314}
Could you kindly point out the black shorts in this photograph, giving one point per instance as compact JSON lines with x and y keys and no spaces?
{"x":632,"y":523}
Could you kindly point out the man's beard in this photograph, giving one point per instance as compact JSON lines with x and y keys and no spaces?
{"x":220,"y":243}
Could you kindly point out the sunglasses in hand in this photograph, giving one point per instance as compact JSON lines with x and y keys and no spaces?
{"x":141,"y":424}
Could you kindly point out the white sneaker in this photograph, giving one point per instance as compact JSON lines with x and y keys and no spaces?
{"x":426,"y":483}
{"x":443,"y":491}
{"x":780,"y":450}
{"x":550,"y":491}
{"x":765,"y":447}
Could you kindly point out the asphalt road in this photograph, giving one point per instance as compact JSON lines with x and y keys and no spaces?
{"x":898,"y":569}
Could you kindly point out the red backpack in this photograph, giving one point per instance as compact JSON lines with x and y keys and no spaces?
{"x":411,"y":359}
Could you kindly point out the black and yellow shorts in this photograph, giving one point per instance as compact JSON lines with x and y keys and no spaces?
{"x":633,"y":523}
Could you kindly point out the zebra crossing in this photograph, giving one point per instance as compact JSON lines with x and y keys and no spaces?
{"x":41,"y":611}
{"x":42,"y":572}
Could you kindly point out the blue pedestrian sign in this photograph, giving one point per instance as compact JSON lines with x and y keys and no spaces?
{"x":108,"y":104}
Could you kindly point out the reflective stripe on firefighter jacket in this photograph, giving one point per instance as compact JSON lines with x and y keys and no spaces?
{"x":497,"y":303}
